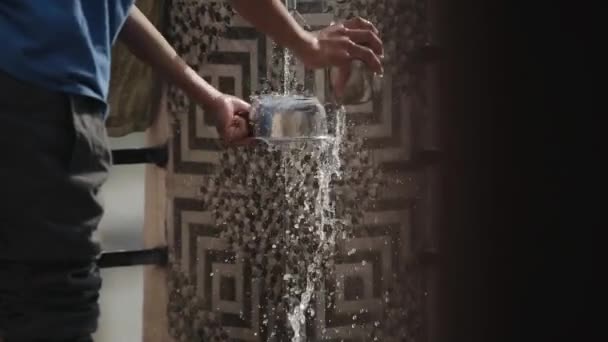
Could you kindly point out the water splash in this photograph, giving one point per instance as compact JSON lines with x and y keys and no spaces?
{"x":288,"y":72}
{"x":285,"y":207}
{"x":289,"y":61}
{"x":327,"y":155}
{"x":325,"y":227}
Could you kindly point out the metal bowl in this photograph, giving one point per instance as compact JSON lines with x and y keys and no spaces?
{"x":276,"y":118}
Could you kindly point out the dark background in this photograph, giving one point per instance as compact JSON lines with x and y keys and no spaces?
{"x":521,"y":97}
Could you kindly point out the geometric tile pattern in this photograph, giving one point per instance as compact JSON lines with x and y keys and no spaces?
{"x":368,"y":268}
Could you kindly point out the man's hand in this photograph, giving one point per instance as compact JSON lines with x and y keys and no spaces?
{"x":230,"y":114}
{"x":340,"y":44}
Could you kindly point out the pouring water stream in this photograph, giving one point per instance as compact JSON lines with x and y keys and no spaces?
{"x":323,"y":211}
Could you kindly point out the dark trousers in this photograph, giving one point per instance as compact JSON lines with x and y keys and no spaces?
{"x":54,"y":157}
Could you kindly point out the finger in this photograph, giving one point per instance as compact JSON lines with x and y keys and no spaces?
{"x":366,"y":55}
{"x":337,"y":30}
{"x":240,"y":105}
{"x":366,"y":38}
{"x":360,"y":23}
{"x":236,"y":131}
{"x":335,"y":50}
{"x":248,"y":123}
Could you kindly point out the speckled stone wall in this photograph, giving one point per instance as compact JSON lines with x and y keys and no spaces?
{"x":225,"y":262}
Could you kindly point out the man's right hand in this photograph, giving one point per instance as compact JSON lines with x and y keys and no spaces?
{"x":231,"y":115}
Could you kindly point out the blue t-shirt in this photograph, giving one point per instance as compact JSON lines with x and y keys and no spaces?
{"x":63,"y":45}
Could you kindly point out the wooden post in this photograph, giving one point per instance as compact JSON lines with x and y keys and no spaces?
{"x":155,"y":327}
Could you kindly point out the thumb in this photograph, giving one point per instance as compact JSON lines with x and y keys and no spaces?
{"x":240,"y":105}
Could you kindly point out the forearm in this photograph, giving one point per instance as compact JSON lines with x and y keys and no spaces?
{"x":272,"y":18}
{"x":148,"y":45}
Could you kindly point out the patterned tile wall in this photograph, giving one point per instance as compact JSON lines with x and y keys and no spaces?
{"x":376,"y":291}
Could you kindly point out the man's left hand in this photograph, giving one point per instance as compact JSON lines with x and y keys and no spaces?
{"x":339,"y":44}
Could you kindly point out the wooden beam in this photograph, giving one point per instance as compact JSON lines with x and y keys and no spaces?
{"x":155,"y":325}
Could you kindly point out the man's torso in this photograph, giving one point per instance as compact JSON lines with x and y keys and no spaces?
{"x":62,"y":45}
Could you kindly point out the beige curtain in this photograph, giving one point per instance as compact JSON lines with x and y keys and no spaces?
{"x":134,"y":87}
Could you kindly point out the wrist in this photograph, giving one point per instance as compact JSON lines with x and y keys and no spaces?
{"x":306,"y":44}
{"x":204,"y":93}
{"x":212,"y":101}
